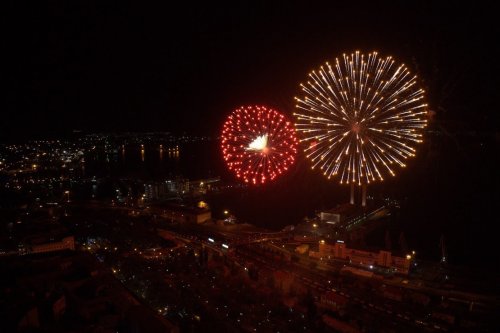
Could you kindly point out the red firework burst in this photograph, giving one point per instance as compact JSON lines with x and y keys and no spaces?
{"x":258,"y":143}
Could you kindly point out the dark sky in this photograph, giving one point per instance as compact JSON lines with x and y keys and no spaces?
{"x":138,"y":67}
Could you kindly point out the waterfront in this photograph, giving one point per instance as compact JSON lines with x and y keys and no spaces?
{"x":434,"y":201}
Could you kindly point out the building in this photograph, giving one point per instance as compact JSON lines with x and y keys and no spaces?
{"x":382,"y":258}
{"x":333,"y":301}
{"x":156,"y":190}
{"x":177,"y":186}
{"x":338,"y":214}
{"x":183,"y":214}
{"x":66,"y":243}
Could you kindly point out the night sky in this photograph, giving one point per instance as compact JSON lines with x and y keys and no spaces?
{"x":177,"y":67}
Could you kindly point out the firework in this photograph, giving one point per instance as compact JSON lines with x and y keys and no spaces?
{"x":360,"y":117}
{"x":258,"y":143}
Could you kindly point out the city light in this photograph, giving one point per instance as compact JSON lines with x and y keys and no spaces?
{"x":210,"y":240}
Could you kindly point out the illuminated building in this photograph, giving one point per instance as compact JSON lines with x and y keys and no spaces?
{"x":43,"y":246}
{"x":183,"y":214}
{"x":382,"y":258}
{"x":155,"y":190}
{"x":338,"y":214}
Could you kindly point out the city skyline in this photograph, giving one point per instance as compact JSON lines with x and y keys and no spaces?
{"x":251,"y":167}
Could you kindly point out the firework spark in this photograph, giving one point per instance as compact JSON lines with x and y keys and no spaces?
{"x":258,"y":143}
{"x":360,"y":116}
